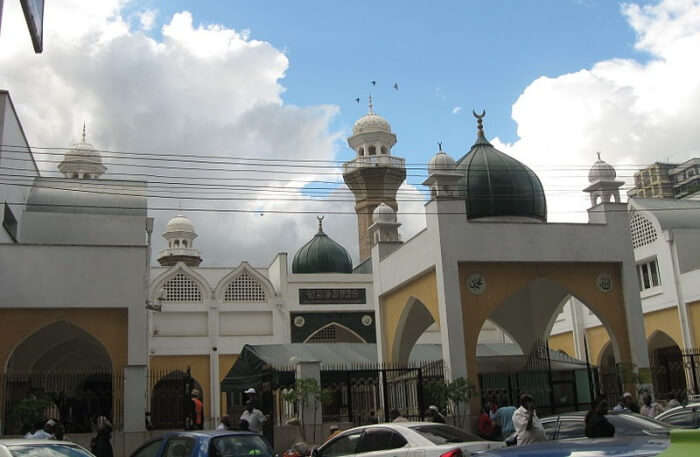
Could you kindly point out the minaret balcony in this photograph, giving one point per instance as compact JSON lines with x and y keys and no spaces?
{"x":178,"y":252}
{"x":373,"y":161}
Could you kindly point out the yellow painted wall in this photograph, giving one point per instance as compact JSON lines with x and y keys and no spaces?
{"x":666,"y":321}
{"x":423,"y":288}
{"x":226,"y":361}
{"x":506,"y":279}
{"x":108,"y":326}
{"x":596,"y":338}
{"x":199,"y":369}
{"x":563,"y":342}
{"x":694,"y":316}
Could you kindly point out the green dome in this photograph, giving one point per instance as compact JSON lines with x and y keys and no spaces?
{"x":321,"y":255}
{"x":497,"y":185}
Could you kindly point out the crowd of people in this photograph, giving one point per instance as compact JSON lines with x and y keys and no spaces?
{"x":53,"y":429}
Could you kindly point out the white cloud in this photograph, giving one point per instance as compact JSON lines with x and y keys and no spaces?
{"x":147,"y":19}
{"x":456,"y":110}
{"x":203,"y":90}
{"x":633,"y":112}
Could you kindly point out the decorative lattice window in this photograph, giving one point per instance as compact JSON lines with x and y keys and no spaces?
{"x":325,"y":335}
{"x":642,"y":229}
{"x":244,"y":288}
{"x":181,"y":288}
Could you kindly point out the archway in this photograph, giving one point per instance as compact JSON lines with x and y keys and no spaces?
{"x":67,"y":370}
{"x":334,"y":333}
{"x":667,"y":368}
{"x":171,"y":401}
{"x":415,"y":319}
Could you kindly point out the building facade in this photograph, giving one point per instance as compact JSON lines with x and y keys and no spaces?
{"x":668,"y":180}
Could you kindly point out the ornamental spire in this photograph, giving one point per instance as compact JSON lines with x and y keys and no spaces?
{"x":83,"y":131}
{"x":320,"y":224}
{"x":481,"y":138}
{"x":371,"y":106}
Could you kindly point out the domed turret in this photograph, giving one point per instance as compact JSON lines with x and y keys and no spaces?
{"x":603,"y":186}
{"x":498,"y":186}
{"x":82,"y":161}
{"x":601,"y":171}
{"x":371,"y":122}
{"x":180,"y":235}
{"x":384,"y":214}
{"x":321,"y":255}
{"x":441,"y":162}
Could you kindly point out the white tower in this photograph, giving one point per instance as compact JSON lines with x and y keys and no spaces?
{"x":603,"y":185}
{"x":180,"y":235}
{"x":82,"y":161}
{"x":374,"y":176}
{"x":385,"y":228}
{"x":443,"y":176}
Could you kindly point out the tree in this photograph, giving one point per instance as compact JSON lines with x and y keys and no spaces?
{"x":458,"y":393}
{"x":306,"y":393}
{"x":30,"y":410}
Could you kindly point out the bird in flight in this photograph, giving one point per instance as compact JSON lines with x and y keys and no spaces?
{"x":396,"y":86}
{"x":374,"y":83}
{"x":357,"y":100}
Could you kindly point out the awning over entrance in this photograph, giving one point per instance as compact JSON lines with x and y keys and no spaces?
{"x":268,"y":363}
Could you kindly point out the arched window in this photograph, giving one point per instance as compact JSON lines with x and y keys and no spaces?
{"x":383,"y":149}
{"x":184,"y":243}
{"x":181,"y":288}
{"x":334,"y":333}
{"x":245,"y":288}
{"x":372,"y":150}
{"x":177,"y":243}
{"x":361,"y":151}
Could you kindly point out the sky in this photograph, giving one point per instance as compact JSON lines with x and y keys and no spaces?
{"x":209,"y":81}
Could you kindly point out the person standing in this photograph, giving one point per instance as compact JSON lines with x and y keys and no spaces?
{"x":597,"y":425}
{"x":504,"y":419}
{"x":527,"y":425}
{"x":649,"y":408}
{"x":101,"y":445}
{"x":395,"y":416}
{"x":434,"y":415}
{"x":255,"y":418}
{"x":198,"y":407}
{"x":47,"y":433}
{"x":225,"y":424}
{"x":486,"y":428}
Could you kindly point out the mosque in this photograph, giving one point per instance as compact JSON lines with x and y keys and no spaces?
{"x":80,"y":291}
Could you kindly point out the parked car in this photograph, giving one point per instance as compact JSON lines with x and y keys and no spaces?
{"x":405,"y":439}
{"x":585,"y":447}
{"x":41,"y":448}
{"x":572,"y":425}
{"x":687,"y":416}
{"x":206,"y":444}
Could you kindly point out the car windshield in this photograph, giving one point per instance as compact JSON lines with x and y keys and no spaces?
{"x":444,"y":434}
{"x":47,"y":450}
{"x":240,"y":446}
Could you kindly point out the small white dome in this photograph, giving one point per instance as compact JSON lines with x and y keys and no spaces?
{"x":180,"y":223}
{"x":384,"y":214}
{"x":83,"y":152}
{"x":371,"y":123}
{"x":441,"y":162}
{"x":601,"y":171}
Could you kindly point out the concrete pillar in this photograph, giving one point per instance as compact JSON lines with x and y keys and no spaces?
{"x":134,"y":398}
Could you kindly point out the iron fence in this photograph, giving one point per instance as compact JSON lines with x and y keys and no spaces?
{"x":75,"y":398}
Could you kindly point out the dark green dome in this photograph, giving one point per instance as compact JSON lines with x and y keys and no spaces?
{"x":321,"y":255}
{"x":497,"y":185}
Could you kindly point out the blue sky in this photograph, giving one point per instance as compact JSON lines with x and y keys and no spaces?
{"x":443,"y":55}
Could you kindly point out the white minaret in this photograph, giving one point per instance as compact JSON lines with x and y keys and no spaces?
{"x":603,"y":185}
{"x":82,"y":161}
{"x":443,"y":176}
{"x":374,"y":176}
{"x":385,"y":228}
{"x":180,"y":235}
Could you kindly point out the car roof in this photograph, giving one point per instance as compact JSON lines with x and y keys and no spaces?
{"x":210,"y":433}
{"x":33,"y":442}
{"x":627,"y":446}
{"x":394,"y":425}
{"x":680,"y":408}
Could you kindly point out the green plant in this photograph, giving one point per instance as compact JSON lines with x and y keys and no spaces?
{"x":459,"y":392}
{"x":307,"y":392}
{"x":30,"y":410}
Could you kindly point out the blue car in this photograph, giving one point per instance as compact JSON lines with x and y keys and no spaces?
{"x":206,"y":444}
{"x":586,"y":447}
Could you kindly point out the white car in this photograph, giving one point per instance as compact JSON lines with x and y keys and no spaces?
{"x":41,"y":448}
{"x":684,"y":416}
{"x":405,"y":439}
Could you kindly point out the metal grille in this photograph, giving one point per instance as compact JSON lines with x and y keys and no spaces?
{"x":325,"y":335}
{"x":642,"y":229}
{"x":182,"y":288}
{"x":244,"y":288}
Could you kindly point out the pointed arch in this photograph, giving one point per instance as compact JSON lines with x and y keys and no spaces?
{"x":414,"y":320}
{"x":185,"y":282}
{"x":319,"y":334}
{"x":252,"y":286}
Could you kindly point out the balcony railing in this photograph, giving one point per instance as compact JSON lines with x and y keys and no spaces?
{"x":374,"y":161}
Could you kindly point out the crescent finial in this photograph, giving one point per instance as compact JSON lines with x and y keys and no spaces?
{"x":320,"y":223}
{"x":479,"y":116}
